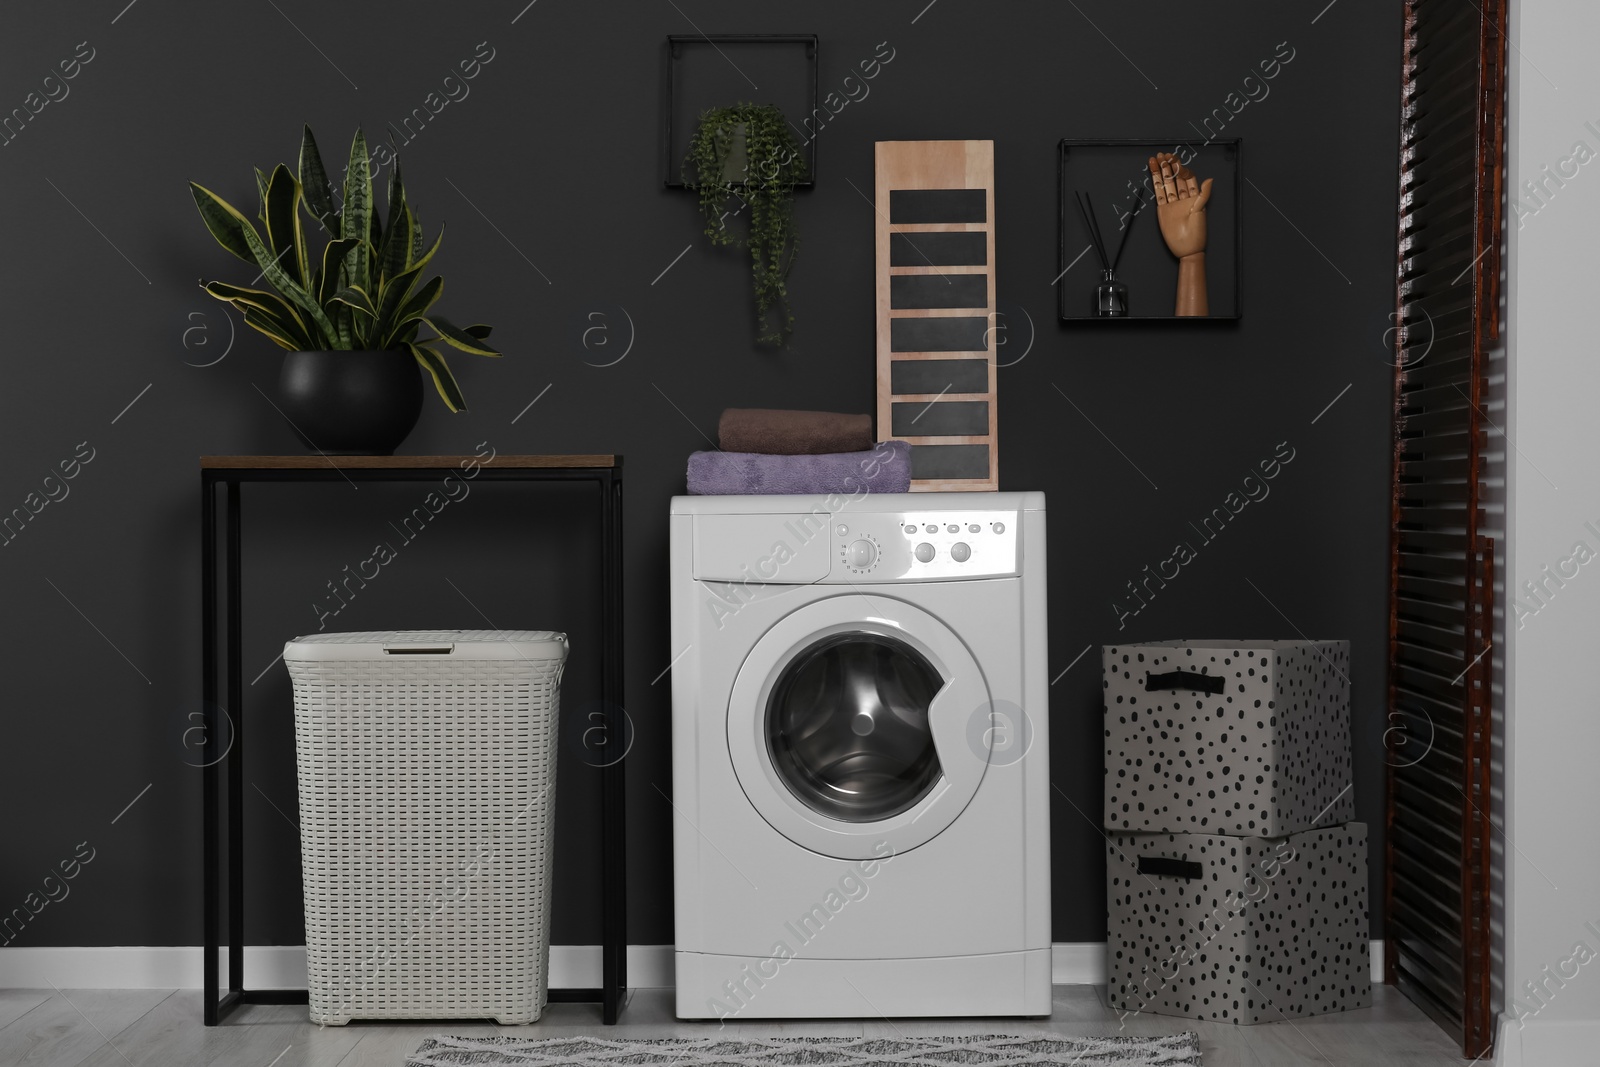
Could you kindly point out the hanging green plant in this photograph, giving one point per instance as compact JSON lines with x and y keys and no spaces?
{"x":744,"y":160}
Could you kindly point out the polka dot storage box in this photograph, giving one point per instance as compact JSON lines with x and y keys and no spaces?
{"x":1238,"y":929}
{"x":427,"y":764}
{"x":1218,"y":737}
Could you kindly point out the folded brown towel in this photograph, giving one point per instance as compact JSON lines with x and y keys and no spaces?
{"x":793,"y":433}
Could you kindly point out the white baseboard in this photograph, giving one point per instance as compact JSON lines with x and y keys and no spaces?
{"x":284,"y":966}
{"x":1078,"y":963}
{"x":1546,"y":1042}
{"x":1084,"y":962}
{"x":265,"y":967}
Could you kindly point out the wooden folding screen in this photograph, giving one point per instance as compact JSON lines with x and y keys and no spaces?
{"x":1441,"y":567}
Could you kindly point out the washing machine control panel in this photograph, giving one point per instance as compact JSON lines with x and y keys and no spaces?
{"x":914,"y":546}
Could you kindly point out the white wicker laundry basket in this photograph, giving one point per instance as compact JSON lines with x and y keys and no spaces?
{"x":427,"y":767}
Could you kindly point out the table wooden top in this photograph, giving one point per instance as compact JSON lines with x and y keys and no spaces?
{"x":318,"y":462}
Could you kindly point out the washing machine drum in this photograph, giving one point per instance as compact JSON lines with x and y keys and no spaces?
{"x":857,"y":721}
{"x":847,"y":727}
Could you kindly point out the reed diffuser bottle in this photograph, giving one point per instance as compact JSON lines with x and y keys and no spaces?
{"x":1110,"y":295}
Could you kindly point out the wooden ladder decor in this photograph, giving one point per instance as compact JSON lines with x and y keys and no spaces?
{"x":936,"y":310}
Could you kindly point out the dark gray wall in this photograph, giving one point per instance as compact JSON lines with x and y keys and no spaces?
{"x":553,"y":160}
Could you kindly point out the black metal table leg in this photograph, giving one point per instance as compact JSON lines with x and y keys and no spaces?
{"x":235,"y":711}
{"x":208,"y":695}
{"x":614,"y":925}
{"x":618,"y":886}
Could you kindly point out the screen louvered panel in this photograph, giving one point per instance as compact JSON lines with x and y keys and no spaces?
{"x":1441,"y":567}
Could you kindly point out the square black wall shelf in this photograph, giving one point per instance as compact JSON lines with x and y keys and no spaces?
{"x":720,"y":69}
{"x":1112,"y":172}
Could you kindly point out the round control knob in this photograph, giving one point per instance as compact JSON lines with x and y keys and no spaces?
{"x":960,"y":552}
{"x":861,"y":554}
{"x":999,"y":527}
{"x":924,"y":552}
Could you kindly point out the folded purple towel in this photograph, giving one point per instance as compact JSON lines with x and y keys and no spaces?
{"x":886,"y":468}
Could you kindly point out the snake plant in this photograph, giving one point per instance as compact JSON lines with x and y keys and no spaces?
{"x":361,"y":293}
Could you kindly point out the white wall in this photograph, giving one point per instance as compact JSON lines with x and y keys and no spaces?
{"x":1552,"y":684}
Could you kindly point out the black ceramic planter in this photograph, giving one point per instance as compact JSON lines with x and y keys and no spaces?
{"x":351,"y":403}
{"x":736,"y":167}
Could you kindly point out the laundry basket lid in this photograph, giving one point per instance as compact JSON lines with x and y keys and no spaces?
{"x":455,"y":644}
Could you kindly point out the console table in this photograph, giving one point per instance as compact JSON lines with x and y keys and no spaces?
{"x":233,"y":472}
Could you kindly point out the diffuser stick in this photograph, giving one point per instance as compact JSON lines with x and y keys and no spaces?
{"x":1094,"y":231}
{"x":1098,"y":236}
{"x":1138,"y":206}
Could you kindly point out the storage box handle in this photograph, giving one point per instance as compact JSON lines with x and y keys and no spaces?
{"x":1166,"y":867}
{"x":1200,"y":683}
{"x":406,"y":648}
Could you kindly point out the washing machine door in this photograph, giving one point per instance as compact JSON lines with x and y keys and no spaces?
{"x":849,"y":726}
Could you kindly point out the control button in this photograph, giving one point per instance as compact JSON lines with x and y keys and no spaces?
{"x":911,"y":527}
{"x":974,"y":528}
{"x":960,"y":551}
{"x":930,"y":528}
{"x":842,"y":529}
{"x":999,"y":527}
{"x":924,"y":552}
{"x":861,"y":554}
{"x":952,"y":528}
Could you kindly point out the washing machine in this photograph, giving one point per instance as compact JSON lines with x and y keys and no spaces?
{"x":860,"y":756}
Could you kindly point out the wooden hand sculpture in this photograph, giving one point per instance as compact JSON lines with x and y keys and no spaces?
{"x":1181,"y":210}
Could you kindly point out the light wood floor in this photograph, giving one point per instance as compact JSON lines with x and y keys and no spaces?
{"x":161,"y":1028}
